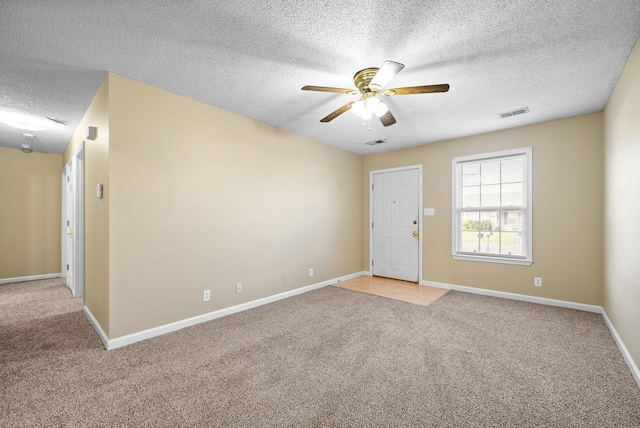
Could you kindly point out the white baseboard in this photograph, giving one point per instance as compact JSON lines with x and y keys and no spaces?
{"x":623,"y":349}
{"x":30,"y":278}
{"x":635,"y":372}
{"x":96,"y":326}
{"x":514,"y":296}
{"x":347,"y":277}
{"x":129,"y":339}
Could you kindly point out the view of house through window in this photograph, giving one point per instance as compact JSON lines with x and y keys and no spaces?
{"x":492,"y":205}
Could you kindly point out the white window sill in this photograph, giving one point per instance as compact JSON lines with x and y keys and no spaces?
{"x":489,"y":259}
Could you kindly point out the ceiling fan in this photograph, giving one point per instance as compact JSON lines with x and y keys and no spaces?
{"x":370,"y":83}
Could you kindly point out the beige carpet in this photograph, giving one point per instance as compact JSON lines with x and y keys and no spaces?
{"x":330,"y":357}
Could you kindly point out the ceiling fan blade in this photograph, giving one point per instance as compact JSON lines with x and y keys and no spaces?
{"x":387,"y":119}
{"x":411,"y":90}
{"x":387,"y":72}
{"x":337,"y":113}
{"x":329,"y":89}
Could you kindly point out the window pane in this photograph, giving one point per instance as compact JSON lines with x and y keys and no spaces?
{"x":490,"y":172}
{"x":512,"y":170}
{"x":469,"y":220}
{"x":471,"y":196}
{"x":490,"y":195}
{"x":511,"y":243}
{"x":469,"y":233}
{"x":489,"y":220}
{"x":511,"y":221}
{"x":470,"y":174}
{"x":489,"y":235}
{"x":512,"y":194}
{"x":470,"y":241}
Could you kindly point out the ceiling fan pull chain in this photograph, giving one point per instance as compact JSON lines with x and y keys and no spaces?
{"x":364,"y":123}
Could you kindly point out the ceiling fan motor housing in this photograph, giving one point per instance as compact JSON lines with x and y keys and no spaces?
{"x":362,"y":78}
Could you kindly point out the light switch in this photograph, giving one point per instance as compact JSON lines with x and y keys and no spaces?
{"x":429,"y":211}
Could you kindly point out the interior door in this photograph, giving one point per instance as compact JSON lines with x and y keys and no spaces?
{"x":396,"y":224}
{"x":70,"y":226}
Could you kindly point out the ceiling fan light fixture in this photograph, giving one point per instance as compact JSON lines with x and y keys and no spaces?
{"x":380,"y":109}
{"x":373,"y":103}
{"x":366,"y":114}
{"x":366,"y":109}
{"x":358,"y":108}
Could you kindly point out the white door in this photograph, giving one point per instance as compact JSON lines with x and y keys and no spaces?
{"x":70,"y":226}
{"x":396,"y":224}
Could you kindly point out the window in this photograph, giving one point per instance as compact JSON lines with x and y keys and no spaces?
{"x":492,"y":207}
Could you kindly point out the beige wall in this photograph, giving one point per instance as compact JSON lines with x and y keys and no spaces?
{"x":30,"y":212}
{"x":202,"y":198}
{"x":567,"y":209}
{"x":96,"y":169}
{"x":622,"y":206}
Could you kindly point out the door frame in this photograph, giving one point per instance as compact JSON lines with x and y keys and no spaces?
{"x":371,"y":205}
{"x":74,"y":171}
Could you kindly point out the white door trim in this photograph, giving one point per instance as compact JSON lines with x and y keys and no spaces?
{"x":382,"y":171}
{"x":63,"y":221}
{"x":69,"y":215}
{"x":79,"y":218}
{"x":74,"y":170}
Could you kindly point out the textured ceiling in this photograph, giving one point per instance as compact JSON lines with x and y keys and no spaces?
{"x":558,"y":58}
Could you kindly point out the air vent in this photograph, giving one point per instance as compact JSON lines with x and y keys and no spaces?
{"x":375,"y":143}
{"x":515,"y":112}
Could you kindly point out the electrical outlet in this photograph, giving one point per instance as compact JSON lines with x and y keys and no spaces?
{"x":310,"y":272}
{"x":238,"y":287}
{"x":537,"y":282}
{"x":206,"y":295}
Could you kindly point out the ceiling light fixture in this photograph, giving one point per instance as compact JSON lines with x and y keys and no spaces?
{"x":23,"y":121}
{"x":28,"y":136}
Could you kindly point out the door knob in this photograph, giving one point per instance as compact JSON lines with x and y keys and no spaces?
{"x":415,"y":234}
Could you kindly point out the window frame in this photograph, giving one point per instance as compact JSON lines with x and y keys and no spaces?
{"x":527,"y":209}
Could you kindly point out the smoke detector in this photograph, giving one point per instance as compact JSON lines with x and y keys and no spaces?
{"x":26,"y":148}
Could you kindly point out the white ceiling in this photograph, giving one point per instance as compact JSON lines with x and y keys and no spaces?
{"x":559,"y":58}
